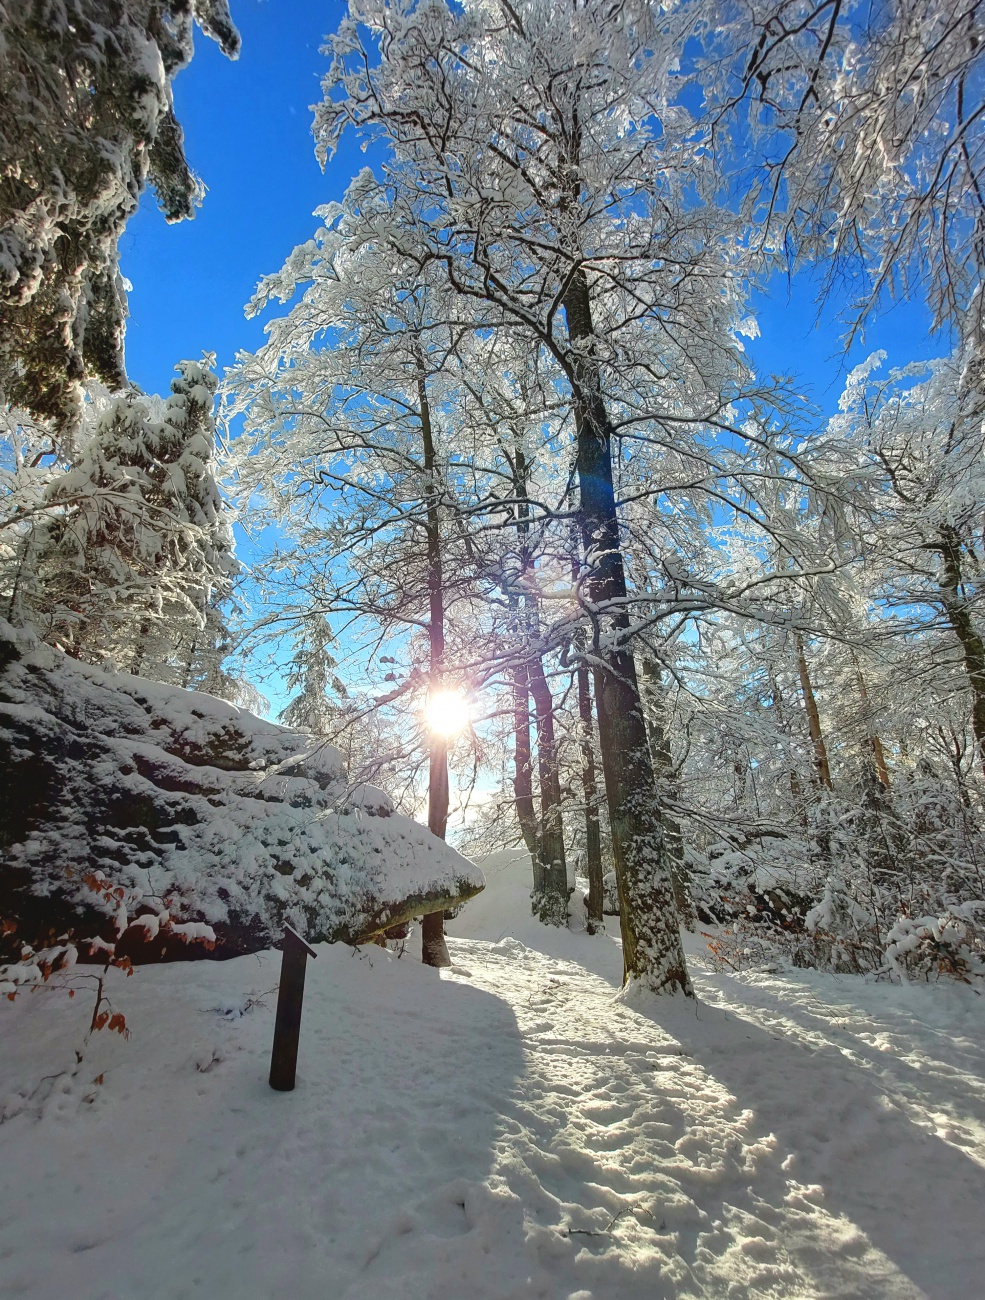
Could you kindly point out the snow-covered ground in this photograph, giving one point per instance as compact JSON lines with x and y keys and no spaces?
{"x":510,"y":1128}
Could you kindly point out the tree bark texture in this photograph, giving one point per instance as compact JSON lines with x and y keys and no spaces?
{"x":550,"y":895}
{"x":959,"y":616}
{"x":875,"y":744}
{"x":434,"y":950}
{"x":813,"y":717}
{"x":523,"y":786}
{"x":796,"y":792}
{"x":523,"y":780}
{"x":589,"y":782}
{"x":663,"y":766}
{"x":652,"y":949}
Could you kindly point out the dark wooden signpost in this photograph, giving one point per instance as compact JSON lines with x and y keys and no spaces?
{"x":287,"y":1029}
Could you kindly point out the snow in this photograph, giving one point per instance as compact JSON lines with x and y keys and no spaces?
{"x":512,"y":1127}
{"x":241,"y":823}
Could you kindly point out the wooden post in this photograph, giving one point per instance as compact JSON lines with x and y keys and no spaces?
{"x":287,"y":1029}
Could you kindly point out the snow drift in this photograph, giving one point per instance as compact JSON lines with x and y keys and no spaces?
{"x":144,"y":815}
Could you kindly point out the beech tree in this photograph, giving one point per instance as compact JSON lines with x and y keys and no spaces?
{"x":539,"y":163}
{"x":354,"y":445}
{"x":911,"y":441}
{"x":515,"y":410}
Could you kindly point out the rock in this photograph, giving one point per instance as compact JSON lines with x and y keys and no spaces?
{"x":122,"y":799}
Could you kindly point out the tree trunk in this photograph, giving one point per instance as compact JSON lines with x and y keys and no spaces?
{"x":875,"y":744}
{"x":186,"y":676}
{"x":434,"y":950}
{"x":796,"y":792}
{"x":589,"y":782}
{"x":549,"y":900}
{"x":523,"y":780}
{"x":523,"y":787}
{"x":652,"y":950}
{"x":813,"y":717}
{"x":137,"y":661}
{"x":663,"y":766}
{"x":549,"y":897}
{"x":959,"y":617}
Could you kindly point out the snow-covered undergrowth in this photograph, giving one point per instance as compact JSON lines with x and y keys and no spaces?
{"x":127,"y":806}
{"x":894,"y":887}
{"x":509,"y":1128}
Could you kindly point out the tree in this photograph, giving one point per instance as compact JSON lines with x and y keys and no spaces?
{"x":509,"y":403}
{"x":852,"y":136}
{"x":912,"y":443}
{"x":539,"y":165}
{"x":593,"y":831}
{"x":357,"y":442}
{"x":86,"y":119}
{"x":311,"y":673}
{"x":129,"y":550}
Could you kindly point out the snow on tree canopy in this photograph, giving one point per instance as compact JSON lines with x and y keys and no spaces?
{"x":125,"y":555}
{"x":86,"y":119}
{"x":179,"y":802}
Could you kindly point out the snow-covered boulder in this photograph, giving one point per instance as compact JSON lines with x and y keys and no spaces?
{"x":129,"y":809}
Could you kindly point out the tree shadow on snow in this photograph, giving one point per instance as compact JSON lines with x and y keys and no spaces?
{"x":843,"y":1149}
{"x":847,"y":1027}
{"x":230,"y":1189}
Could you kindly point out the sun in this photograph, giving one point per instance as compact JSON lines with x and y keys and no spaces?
{"x":447,"y":712}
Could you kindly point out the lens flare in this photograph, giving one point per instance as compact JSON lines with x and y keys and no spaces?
{"x":447,"y":712}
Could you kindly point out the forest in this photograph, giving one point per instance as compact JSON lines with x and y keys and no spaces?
{"x":714,"y":654}
{"x":501,"y":529}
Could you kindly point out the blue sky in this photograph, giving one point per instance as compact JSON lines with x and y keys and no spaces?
{"x":248,"y":135}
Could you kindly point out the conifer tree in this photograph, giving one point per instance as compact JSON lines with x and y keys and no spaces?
{"x":311,"y":676}
{"x":86,"y":119}
{"x":133,"y":552}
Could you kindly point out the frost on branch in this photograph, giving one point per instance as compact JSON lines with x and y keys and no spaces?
{"x":86,"y":119}
{"x":121,"y":550}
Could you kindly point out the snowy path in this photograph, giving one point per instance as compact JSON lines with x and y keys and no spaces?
{"x":511,"y":1129}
